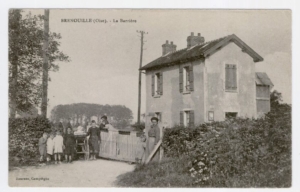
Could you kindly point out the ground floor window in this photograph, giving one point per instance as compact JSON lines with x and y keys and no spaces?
{"x":231,"y":115}
{"x":211,"y":116}
{"x":158,"y":116}
{"x":187,"y":118}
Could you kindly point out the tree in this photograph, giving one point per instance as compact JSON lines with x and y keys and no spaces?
{"x":45,"y":64}
{"x":275,"y":98}
{"x":26,"y":61}
{"x":122,"y":115}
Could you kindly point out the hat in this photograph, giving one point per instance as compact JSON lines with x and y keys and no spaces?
{"x":104,"y":117}
{"x":154,"y":118}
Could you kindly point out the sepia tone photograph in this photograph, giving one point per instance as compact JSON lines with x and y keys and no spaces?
{"x":160,"y":98}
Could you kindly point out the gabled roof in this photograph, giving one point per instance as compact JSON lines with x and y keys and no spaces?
{"x":263,"y":79}
{"x":200,"y":51}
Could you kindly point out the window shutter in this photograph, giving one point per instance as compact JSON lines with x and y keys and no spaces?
{"x":181,"y":118}
{"x":153,"y":82}
{"x":227,"y":74}
{"x":234,"y":80}
{"x":192,"y":118}
{"x":161,"y":83}
{"x":191,"y":75}
{"x":180,"y":79}
{"x":230,"y":77}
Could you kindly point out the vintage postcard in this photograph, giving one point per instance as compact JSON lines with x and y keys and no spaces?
{"x":187,"y":98}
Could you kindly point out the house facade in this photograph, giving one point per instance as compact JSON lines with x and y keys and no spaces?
{"x":206,"y":81}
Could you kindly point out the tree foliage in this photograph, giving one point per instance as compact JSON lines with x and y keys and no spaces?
{"x":25,"y":53}
{"x":122,"y":115}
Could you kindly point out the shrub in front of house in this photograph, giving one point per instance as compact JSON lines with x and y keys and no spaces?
{"x":24,"y":134}
{"x":234,"y":153}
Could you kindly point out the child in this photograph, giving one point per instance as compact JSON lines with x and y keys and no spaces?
{"x":50,"y":147}
{"x":42,"y":147}
{"x":141,"y":157}
{"x":58,"y":146}
{"x":69,"y":142}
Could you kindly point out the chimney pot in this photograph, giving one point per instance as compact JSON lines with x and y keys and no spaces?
{"x":168,"y":48}
{"x":194,"y":40}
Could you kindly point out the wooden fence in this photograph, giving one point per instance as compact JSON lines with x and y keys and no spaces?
{"x":120,"y":145}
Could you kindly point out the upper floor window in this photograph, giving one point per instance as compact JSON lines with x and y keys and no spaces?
{"x":157,"y":84}
{"x":186,"y":78}
{"x":230,"y":77}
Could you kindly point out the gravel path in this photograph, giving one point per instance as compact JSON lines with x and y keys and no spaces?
{"x":97,"y":173}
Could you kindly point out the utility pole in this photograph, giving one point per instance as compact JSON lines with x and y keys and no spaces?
{"x":45,"y":64}
{"x":140,"y":76}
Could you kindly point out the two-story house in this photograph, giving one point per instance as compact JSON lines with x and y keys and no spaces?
{"x":206,"y":81}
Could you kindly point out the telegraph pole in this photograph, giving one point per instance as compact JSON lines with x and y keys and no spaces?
{"x":140,"y":76}
{"x":45,"y":65}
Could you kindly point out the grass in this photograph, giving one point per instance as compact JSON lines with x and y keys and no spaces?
{"x":169,"y":173}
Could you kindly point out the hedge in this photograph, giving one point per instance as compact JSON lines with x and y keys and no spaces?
{"x":24,"y":134}
{"x":235,"y":153}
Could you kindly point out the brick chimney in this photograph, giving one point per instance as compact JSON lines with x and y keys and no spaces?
{"x":168,"y":48}
{"x":194,"y":40}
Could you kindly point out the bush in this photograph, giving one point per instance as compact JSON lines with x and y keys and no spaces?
{"x":24,"y":134}
{"x":234,"y":153}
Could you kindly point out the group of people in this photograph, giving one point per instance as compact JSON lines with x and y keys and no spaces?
{"x":55,"y":144}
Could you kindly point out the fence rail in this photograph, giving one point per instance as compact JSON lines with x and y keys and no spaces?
{"x":120,"y":145}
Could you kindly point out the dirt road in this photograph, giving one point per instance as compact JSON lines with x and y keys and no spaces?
{"x":97,"y":173}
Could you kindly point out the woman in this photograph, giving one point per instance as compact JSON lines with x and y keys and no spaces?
{"x":69,"y":142}
{"x":153,"y":139}
{"x":94,"y":140}
{"x":104,"y":122}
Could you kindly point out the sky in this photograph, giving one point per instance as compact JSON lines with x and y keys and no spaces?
{"x":105,"y":56}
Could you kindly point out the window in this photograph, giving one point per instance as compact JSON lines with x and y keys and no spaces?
{"x":263,"y":99}
{"x":230,"y":115}
{"x":158,"y":115}
{"x":187,"y":118}
{"x":186,"y":78}
{"x":211,"y":116}
{"x":230,"y":77}
{"x":157,"y":84}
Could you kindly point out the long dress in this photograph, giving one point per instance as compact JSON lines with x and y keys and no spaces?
{"x":94,"y":133}
{"x":50,"y":146}
{"x":69,"y":142}
{"x":153,"y":139}
{"x":58,"y":144}
{"x":42,"y":146}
